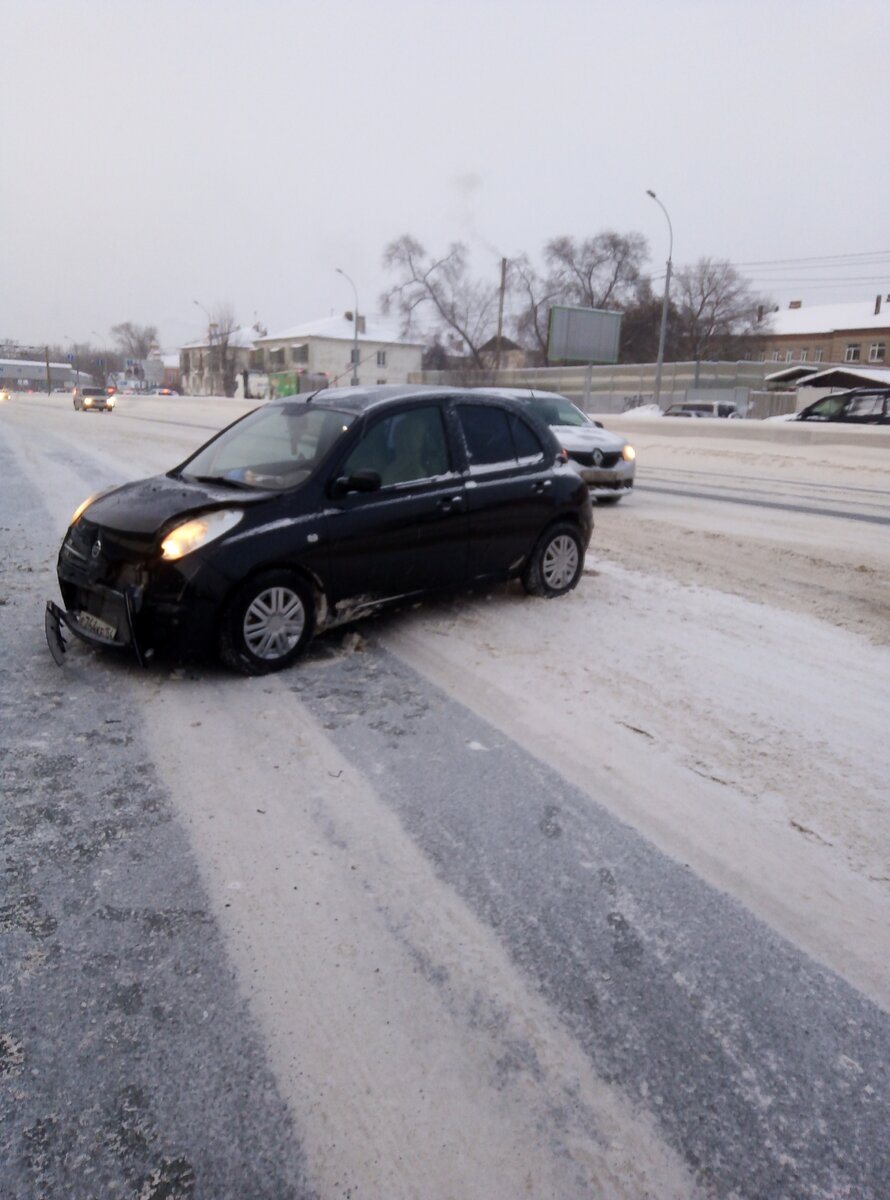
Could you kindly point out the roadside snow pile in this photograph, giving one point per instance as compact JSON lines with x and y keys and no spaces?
{"x":643,"y":410}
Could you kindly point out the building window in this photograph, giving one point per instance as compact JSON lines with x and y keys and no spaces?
{"x":804,"y":355}
{"x":381,"y":358}
{"x":299,"y":354}
{"x":876,"y":351}
{"x":789,"y":356}
{"x":381,"y":381}
{"x":276,"y":359}
{"x":775,"y":356}
{"x":818,"y":354}
{"x":851,"y":354}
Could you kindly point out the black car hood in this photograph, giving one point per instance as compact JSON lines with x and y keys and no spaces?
{"x":145,"y":506}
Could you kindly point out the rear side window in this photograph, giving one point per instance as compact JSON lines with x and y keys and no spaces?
{"x":865,"y":406}
{"x":496,"y":438}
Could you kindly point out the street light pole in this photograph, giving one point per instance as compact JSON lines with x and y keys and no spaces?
{"x":355,"y":329}
{"x":665,"y":301}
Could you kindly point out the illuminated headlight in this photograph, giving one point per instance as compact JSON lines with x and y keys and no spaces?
{"x":198,"y":532}
{"x":87,"y":401}
{"x":628,"y":454}
{"x":110,"y":402}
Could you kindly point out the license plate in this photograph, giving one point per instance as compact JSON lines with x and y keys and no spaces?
{"x":96,"y":625}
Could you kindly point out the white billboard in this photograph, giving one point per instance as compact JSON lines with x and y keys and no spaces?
{"x":588,"y":335}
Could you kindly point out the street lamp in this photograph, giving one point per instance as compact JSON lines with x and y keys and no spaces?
{"x":355,"y":329}
{"x":664,"y":304}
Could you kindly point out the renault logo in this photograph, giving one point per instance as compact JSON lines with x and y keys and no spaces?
{"x":598,"y":457}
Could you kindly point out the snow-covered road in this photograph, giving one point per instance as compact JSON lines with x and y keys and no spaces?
{"x":581,"y":898}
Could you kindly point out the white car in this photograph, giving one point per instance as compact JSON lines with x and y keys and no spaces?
{"x":605,"y":461}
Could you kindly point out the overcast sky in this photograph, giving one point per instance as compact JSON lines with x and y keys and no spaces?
{"x":161,"y":152}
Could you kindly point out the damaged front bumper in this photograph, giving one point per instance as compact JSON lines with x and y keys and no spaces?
{"x":118,"y":634}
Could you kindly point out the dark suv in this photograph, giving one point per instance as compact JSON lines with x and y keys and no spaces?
{"x":303,"y":515}
{"x":860,"y":406}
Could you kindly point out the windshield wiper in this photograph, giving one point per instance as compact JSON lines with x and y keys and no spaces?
{"x":220,"y":481}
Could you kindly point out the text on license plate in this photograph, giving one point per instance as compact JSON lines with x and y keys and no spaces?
{"x":96,"y":625}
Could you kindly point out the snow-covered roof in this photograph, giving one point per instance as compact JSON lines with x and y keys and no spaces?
{"x":843,"y":375}
{"x":242,"y":338}
{"x":826,"y":318}
{"x":341,"y":328}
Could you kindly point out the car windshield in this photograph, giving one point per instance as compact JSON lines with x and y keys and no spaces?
{"x":556,"y":410}
{"x":276,"y":447}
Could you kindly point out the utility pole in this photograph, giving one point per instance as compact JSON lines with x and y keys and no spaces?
{"x":497,"y":357}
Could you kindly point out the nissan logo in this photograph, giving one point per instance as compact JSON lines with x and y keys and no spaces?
{"x":97,"y":548}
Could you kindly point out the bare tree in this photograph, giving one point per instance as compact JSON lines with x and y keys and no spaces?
{"x":443,"y":289}
{"x":716,"y":310}
{"x":533,"y":298}
{"x":604,"y":271}
{"x":598,"y":272}
{"x":223,"y":354}
{"x":135,"y":341}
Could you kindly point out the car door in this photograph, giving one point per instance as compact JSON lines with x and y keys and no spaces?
{"x":410,"y":534}
{"x":509,"y":485}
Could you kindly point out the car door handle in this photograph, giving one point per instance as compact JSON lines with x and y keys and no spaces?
{"x":539,"y":485}
{"x":449,"y":502}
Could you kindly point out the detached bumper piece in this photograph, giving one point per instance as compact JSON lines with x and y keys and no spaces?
{"x":90,"y":630}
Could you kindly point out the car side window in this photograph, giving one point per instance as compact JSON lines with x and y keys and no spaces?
{"x":403,"y":448}
{"x":525,"y":441}
{"x":827,"y":408}
{"x":496,"y":438}
{"x":864,"y":406}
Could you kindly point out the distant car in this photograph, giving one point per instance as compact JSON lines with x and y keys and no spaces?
{"x":703,"y":408}
{"x":93,"y":399}
{"x":304,"y":515}
{"x":165,"y":391}
{"x":605,"y":461}
{"x":859,"y":406}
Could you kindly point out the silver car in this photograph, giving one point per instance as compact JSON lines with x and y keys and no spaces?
{"x":605,"y":461}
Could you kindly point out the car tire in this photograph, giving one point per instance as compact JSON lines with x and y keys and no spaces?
{"x":266,"y":624}
{"x":556,"y":562}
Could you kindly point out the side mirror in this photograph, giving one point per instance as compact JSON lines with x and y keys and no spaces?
{"x":358,"y":481}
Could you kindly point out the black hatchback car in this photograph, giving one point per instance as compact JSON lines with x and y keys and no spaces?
{"x":306,"y":514}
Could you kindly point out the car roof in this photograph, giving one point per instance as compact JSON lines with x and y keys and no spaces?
{"x":361,"y":399}
{"x":525,"y":394}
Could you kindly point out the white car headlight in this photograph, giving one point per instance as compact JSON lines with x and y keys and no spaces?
{"x":199,"y":531}
{"x":628,"y":453}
